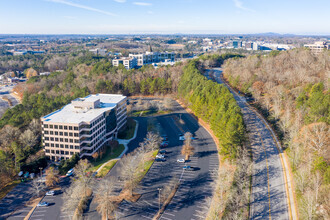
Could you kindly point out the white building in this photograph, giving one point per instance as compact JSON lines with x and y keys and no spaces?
{"x":98,"y":51}
{"x":128,"y":62}
{"x":318,"y":47}
{"x":152,"y":57}
{"x":83,"y":126}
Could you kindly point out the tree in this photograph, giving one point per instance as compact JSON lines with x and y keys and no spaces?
{"x":152,"y":141}
{"x":52,"y":177}
{"x":37,"y":186}
{"x":129,"y":171}
{"x":28,"y":139}
{"x":187,"y":149}
{"x":105,"y":199}
{"x":8,"y":134}
{"x":71,"y":198}
{"x":95,"y":156}
{"x":83,"y":176}
{"x":18,"y":152}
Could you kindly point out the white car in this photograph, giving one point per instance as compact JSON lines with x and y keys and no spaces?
{"x":181,"y":138}
{"x":160,"y":156}
{"x":50,"y":193}
{"x":181,"y":160}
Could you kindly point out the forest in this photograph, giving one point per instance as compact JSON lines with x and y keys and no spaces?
{"x":291,"y":89}
{"x":216,"y":105}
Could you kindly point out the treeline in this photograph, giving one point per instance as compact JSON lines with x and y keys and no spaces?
{"x":291,"y":90}
{"x":216,"y":105}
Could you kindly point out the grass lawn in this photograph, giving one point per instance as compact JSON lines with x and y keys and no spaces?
{"x":108,"y":156}
{"x":148,"y":164}
{"x":5,"y":190}
{"x":128,"y":133}
{"x":106,"y":168}
{"x":151,"y":112}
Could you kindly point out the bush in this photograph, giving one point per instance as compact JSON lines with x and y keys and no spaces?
{"x":66,"y":165}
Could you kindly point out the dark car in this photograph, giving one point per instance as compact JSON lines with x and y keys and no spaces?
{"x":164,"y":137}
{"x":164,"y":144}
{"x":160,"y":159}
{"x":162,"y":151}
{"x":188,"y":168}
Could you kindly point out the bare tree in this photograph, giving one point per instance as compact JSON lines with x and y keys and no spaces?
{"x":28,"y":139}
{"x":37,"y":186}
{"x":83,"y":176}
{"x":107,"y":202}
{"x":35,"y":126}
{"x":71,"y":199}
{"x":52,"y":177}
{"x":168,"y":103}
{"x":8,"y":134}
{"x":187,"y":149}
{"x":152,"y":141}
{"x":129,"y":167}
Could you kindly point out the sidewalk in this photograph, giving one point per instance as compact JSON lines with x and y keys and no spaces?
{"x":123,"y":142}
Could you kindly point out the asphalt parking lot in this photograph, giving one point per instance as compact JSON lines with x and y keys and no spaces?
{"x":190,"y":199}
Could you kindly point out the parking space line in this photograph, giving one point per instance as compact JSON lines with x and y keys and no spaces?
{"x":146,"y":217}
{"x":166,"y":218}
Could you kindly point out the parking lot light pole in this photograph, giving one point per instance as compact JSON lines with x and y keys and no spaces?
{"x":40,"y":168}
{"x":159,"y":189}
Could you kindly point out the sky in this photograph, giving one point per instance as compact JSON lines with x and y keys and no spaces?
{"x":310,"y":17}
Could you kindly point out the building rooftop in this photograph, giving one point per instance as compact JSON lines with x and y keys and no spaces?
{"x":84,"y":109}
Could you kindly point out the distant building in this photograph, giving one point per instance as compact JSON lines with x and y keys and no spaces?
{"x":152,"y":57}
{"x":36,"y":51}
{"x":84,"y":126}
{"x":255,"y":46}
{"x":128,"y":62}
{"x":18,"y":52}
{"x":99,"y":52}
{"x":13,"y":79}
{"x":237,"y":44}
{"x":45,"y":74}
{"x":318,"y":47}
{"x":249,"y":46}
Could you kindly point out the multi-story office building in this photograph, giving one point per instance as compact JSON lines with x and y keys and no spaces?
{"x":318,"y":47}
{"x":152,"y":57}
{"x":128,"y":62}
{"x":83,"y":126}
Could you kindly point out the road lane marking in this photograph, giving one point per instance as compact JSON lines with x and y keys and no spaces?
{"x":262,"y":143}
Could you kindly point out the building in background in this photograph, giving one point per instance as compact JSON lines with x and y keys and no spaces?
{"x":83,"y":126}
{"x":128,"y":62}
{"x":152,"y":57}
{"x":318,"y":47}
{"x":99,"y":52}
{"x":237,"y":44}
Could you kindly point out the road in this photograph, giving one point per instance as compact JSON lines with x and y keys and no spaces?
{"x":5,"y":92}
{"x":268,"y":199}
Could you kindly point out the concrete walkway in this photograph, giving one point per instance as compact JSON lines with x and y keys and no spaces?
{"x":123,"y":142}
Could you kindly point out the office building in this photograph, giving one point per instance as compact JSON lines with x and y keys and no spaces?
{"x":318,"y":47}
{"x":128,"y":62}
{"x":83,"y":126}
{"x":152,"y":57}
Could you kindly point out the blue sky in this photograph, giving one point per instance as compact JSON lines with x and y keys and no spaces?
{"x":164,"y":16}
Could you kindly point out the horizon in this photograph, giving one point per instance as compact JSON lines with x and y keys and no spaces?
{"x":148,"y":17}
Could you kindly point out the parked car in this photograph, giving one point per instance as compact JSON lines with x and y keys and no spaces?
{"x":70,"y":172}
{"x":43,"y":204}
{"x":181,"y":137}
{"x":160,"y":159}
{"x":50,"y":193}
{"x":187,"y":168}
{"x":20,"y":173}
{"x":164,"y":137}
{"x":164,"y":144}
{"x":162,"y":151}
{"x":181,"y":160}
{"x":161,"y":156}
{"x":26,"y":175}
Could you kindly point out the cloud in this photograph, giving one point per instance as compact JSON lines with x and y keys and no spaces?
{"x":65,"y":2}
{"x":239,"y":4}
{"x":150,"y":12}
{"x":120,"y":1}
{"x":142,"y":3}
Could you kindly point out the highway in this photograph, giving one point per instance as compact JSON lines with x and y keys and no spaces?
{"x":269,"y":199}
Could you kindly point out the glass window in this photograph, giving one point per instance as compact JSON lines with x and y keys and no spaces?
{"x":55,"y":127}
{"x":65,"y":127}
{"x":71,"y":146}
{"x":46,"y":138}
{"x":56,"y":139}
{"x":56,"y":145}
{"x":52,"y":151}
{"x":45,"y":126}
{"x":66,"y":146}
{"x":61,"y":146}
{"x":71,"y":140}
{"x":56,"y":133}
{"x":76,"y":128}
{"x":66,"y":140}
{"x":65,"y":133}
{"x":46,"y":132}
{"x":52,"y":145}
{"x":47,"y":151}
{"x":70,"y":127}
{"x":60,"y":127}
{"x":61,"y":133}
{"x":52,"y":139}
{"x":76,"y":147}
{"x":61,"y":139}
{"x":71,"y":153}
{"x":51,"y":132}
{"x":50,"y":126}
{"x":70,"y":134}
